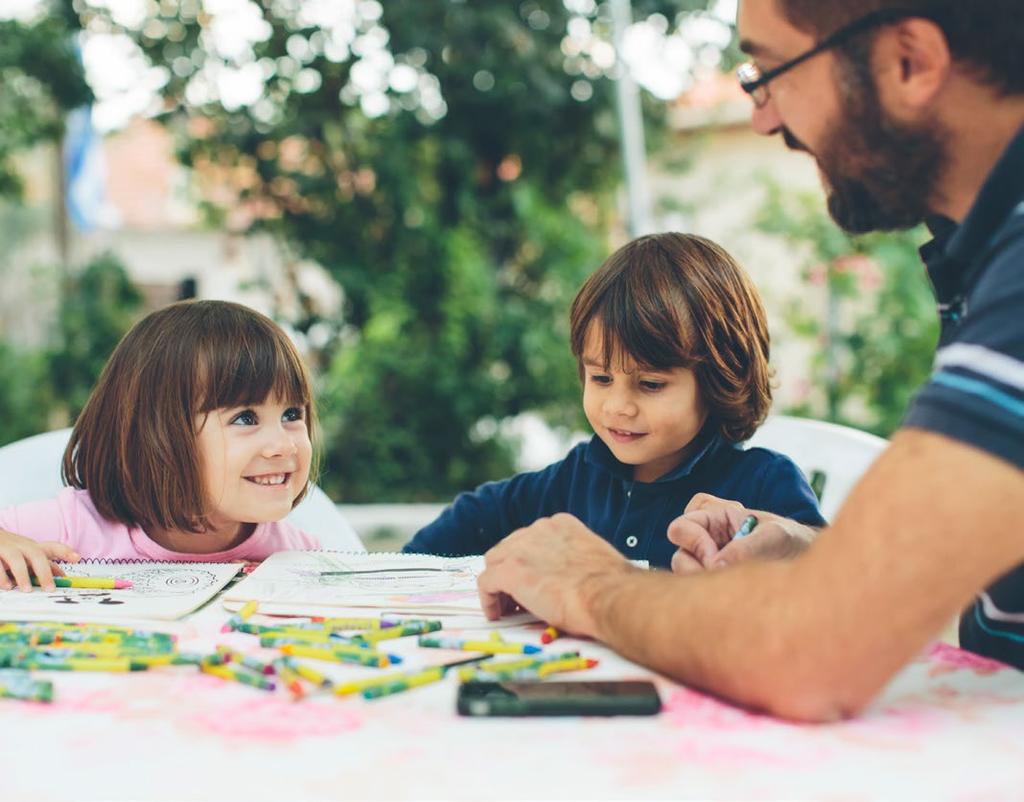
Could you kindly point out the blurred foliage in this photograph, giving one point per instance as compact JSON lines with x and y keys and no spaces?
{"x":98,"y":306}
{"x":459,"y":220}
{"x":45,"y":388}
{"x":41,"y":79}
{"x":875,"y":341}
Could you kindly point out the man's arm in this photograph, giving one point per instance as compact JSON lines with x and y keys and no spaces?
{"x":811,"y":638}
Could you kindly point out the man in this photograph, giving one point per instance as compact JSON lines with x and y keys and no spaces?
{"x":912,"y":110}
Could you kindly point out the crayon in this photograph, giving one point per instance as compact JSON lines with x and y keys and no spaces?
{"x":16,"y":684}
{"x":550,"y":634}
{"x":250,"y":662}
{"x":399,"y":631}
{"x":746,"y":527}
{"x":289,"y":678}
{"x":497,"y":669}
{"x":488,"y":646}
{"x":95,"y":582}
{"x":364,"y":657}
{"x":244,"y":677}
{"x":351,"y":623}
{"x":247,"y":611}
{"x":413,"y":680}
{"x":308,"y":673}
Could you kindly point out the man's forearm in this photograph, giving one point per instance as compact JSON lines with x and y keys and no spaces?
{"x":715,"y":631}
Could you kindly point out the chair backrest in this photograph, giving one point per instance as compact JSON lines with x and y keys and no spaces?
{"x":30,"y":471}
{"x":832,"y":457}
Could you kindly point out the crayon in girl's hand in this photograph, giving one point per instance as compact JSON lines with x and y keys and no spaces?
{"x":93,"y":582}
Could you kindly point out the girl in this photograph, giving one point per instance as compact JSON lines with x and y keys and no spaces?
{"x":193,"y":445}
{"x":672,"y":346}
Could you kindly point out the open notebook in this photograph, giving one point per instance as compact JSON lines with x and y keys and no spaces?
{"x":160,"y":591}
{"x":326,"y":582}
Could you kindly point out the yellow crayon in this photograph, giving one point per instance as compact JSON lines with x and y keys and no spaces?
{"x":284,"y":670}
{"x":573,"y":664}
{"x":310,"y":674}
{"x":415,"y":680}
{"x":248,"y":609}
{"x":366,"y":657}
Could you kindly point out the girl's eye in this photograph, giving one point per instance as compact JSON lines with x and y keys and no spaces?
{"x":293,"y":414}
{"x":652,"y":386}
{"x":598,"y":378}
{"x":245,"y":418}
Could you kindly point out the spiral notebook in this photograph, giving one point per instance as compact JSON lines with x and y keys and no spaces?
{"x":330,"y":582}
{"x":160,"y":591}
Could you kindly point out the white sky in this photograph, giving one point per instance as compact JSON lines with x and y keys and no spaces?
{"x":126,"y":85}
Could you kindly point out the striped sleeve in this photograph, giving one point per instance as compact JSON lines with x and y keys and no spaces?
{"x":976,"y":392}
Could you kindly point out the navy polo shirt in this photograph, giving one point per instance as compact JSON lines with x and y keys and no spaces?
{"x":976,"y":393}
{"x":593,"y":485}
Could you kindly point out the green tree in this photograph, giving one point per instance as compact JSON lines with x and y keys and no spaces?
{"x":878,"y":329}
{"x":41,"y":79}
{"x":453,"y":167}
{"x":98,"y":306}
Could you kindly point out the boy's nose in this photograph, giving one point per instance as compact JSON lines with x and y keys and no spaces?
{"x":621,"y":403}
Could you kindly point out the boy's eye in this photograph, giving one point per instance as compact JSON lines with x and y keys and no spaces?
{"x":245,"y":418}
{"x":293,"y":414}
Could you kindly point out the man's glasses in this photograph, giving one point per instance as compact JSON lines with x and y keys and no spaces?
{"x":755,"y":83}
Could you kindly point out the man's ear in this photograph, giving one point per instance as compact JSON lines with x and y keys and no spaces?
{"x":912,"y":65}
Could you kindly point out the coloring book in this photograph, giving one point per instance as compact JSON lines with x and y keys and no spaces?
{"x":160,"y":590}
{"x":322,"y":582}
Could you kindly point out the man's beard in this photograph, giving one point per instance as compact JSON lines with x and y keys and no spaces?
{"x":879,"y":174}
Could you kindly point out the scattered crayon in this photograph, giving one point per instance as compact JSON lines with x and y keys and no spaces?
{"x":398,"y":631}
{"x":488,"y":646}
{"x":549,"y":635}
{"x":411,"y":680}
{"x":244,"y":677}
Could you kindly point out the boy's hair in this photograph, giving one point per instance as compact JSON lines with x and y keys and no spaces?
{"x":985,"y":38}
{"x":680,"y":301}
{"x":134,"y":445}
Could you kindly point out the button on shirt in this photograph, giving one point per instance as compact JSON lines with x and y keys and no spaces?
{"x":593,"y":485}
{"x":976,"y":393}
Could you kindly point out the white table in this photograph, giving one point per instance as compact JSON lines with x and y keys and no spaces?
{"x":948,"y":727}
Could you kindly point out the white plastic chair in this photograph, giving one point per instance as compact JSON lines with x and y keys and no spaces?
{"x":831,"y":456}
{"x":30,"y":470}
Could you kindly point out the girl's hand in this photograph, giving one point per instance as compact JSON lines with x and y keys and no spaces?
{"x":22,"y":557}
{"x":704,"y":535}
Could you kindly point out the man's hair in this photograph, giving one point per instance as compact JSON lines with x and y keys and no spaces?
{"x":986,"y":38}
{"x":134,"y":446}
{"x":678,"y":300}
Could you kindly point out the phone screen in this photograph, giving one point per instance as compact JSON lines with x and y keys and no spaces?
{"x":527,"y":698}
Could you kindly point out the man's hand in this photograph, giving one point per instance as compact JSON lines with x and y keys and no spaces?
{"x":21,"y":558}
{"x":555,"y":566}
{"x":704,"y":533}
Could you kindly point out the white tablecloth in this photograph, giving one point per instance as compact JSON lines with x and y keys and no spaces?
{"x":948,"y":727}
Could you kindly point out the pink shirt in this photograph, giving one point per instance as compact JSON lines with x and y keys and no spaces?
{"x":71,"y":518}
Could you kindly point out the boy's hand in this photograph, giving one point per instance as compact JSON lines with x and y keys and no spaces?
{"x":704,"y":535}
{"x":21,"y":558}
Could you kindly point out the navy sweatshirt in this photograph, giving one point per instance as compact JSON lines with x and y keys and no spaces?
{"x":591,"y":484}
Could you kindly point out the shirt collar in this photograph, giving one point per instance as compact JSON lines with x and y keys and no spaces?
{"x":707,"y":442}
{"x":954,"y":248}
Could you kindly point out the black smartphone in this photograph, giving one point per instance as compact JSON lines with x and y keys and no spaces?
{"x":581,"y":698}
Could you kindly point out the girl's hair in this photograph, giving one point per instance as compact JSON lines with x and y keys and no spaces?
{"x":678,"y":300}
{"x":134,"y":445}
